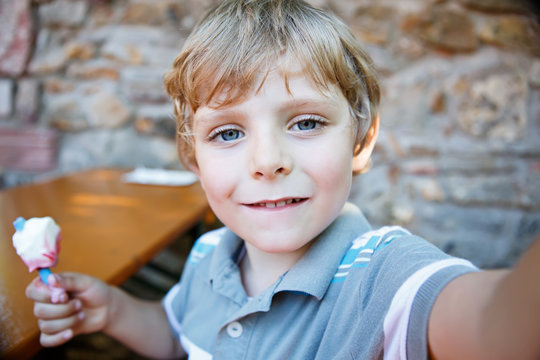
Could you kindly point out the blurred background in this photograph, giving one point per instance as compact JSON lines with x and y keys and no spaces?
{"x":458,"y":160}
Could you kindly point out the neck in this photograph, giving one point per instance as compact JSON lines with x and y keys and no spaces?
{"x":261,"y":269}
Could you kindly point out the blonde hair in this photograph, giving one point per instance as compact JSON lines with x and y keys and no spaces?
{"x":240,"y":40}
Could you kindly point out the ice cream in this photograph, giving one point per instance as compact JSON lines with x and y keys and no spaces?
{"x":37,"y":242}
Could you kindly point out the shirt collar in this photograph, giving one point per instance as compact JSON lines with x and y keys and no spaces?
{"x":312,"y":274}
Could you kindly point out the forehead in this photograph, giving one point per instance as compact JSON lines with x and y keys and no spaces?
{"x":280,"y":92}
{"x":285,"y":79}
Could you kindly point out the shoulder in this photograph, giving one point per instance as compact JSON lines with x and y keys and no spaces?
{"x":395,"y":277}
{"x":391,"y":261}
{"x":363,"y":248}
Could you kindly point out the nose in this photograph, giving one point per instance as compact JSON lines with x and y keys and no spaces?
{"x":269,"y":158}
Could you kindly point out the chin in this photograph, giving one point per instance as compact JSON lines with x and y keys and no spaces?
{"x":282,"y":246}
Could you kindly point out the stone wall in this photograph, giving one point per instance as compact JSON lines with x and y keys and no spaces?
{"x":458,"y":160}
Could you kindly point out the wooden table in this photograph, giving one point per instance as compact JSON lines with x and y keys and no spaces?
{"x":110,"y":229}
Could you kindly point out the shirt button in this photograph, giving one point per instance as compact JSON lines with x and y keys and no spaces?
{"x":234,"y":329}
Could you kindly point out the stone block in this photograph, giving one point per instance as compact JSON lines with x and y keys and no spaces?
{"x":127,"y":53}
{"x":448,"y":30}
{"x":495,"y":107}
{"x":430,"y":190}
{"x":137,"y":45}
{"x":426,"y":167}
{"x":116,"y":147}
{"x":94,"y":69}
{"x":143,"y":85}
{"x":512,"y":32}
{"x":64,"y":112}
{"x":28,"y":100}
{"x":532,"y":186}
{"x":438,"y":102}
{"x":135,"y":34}
{"x":105,"y":110}
{"x":374,"y":24}
{"x":101,"y":14}
{"x":56,"y":85}
{"x":156,"y":120}
{"x":495,"y":191}
{"x":497,"y":6}
{"x":402,"y":213}
{"x":64,"y":13}
{"x":6,"y":98}
{"x":395,"y":111}
{"x":374,"y":193}
{"x":534,"y":74}
{"x":408,"y":47}
{"x":161,"y":57}
{"x":481,"y":235}
{"x":76,"y":50}
{"x":16,"y":36}
{"x":146,"y":13}
{"x":48,"y":61}
{"x":28,"y":149}
{"x":474,"y":163}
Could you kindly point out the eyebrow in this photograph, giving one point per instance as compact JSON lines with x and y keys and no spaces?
{"x":321,"y":104}
{"x":218,"y":114}
{"x":326,"y":103}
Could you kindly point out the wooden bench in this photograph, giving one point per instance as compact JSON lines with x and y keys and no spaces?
{"x":110,"y":229}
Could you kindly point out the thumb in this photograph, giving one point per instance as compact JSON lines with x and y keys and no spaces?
{"x":58,"y":293}
{"x":73,"y":282}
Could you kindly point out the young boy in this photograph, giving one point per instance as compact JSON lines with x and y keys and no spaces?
{"x":277,"y":107}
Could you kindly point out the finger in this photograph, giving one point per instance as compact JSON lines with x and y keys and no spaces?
{"x":37,"y":291}
{"x":48,"y":340}
{"x":53,"y":280}
{"x":55,"y":326}
{"x":74,"y":282}
{"x":58,"y":295}
{"x":46,"y":311}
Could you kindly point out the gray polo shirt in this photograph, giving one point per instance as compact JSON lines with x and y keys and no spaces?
{"x":357,"y":293}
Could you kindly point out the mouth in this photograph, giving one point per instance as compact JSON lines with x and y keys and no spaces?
{"x":278,"y":203}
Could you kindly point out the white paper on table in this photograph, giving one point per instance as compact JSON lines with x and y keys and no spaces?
{"x":142,"y":175}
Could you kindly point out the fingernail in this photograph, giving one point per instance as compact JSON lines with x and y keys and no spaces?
{"x":67,"y":334}
{"x":51,"y":279}
{"x":78,"y":305}
{"x":81,"y":315}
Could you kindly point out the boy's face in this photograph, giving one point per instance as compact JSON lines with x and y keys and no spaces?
{"x":277,"y":166}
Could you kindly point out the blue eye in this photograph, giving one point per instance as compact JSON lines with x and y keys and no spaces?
{"x":306,"y":125}
{"x":230,"y":135}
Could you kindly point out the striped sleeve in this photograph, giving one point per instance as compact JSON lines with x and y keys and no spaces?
{"x":397,"y":320}
{"x":363,"y":248}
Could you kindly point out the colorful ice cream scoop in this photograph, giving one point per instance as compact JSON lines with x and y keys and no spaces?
{"x":37,"y":241}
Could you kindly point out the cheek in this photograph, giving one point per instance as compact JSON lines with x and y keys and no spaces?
{"x":336,"y":178}
{"x":330,"y":168}
{"x":217,"y":178}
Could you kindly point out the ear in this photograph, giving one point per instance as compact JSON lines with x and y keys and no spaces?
{"x":362,"y":151}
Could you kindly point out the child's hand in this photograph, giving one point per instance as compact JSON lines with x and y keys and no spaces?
{"x":84,"y":311}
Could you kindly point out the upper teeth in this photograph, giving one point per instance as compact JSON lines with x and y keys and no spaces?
{"x":280,"y":203}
